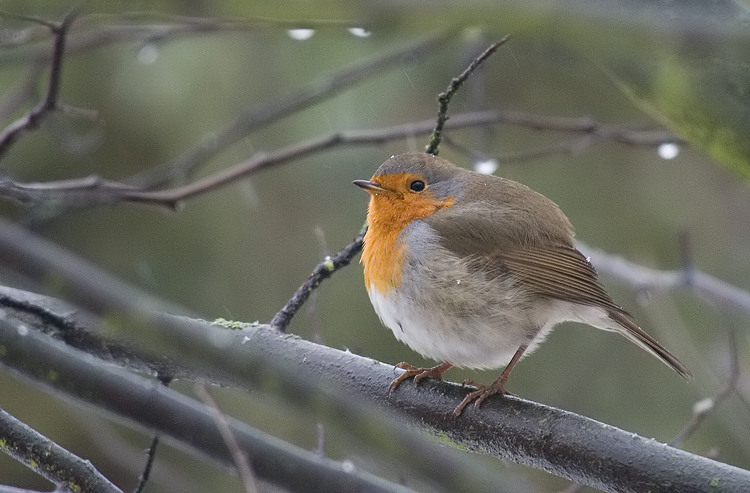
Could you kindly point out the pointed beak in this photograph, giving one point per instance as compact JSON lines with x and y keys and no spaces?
{"x":369,"y":186}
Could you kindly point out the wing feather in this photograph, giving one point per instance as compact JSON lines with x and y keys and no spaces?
{"x":560,"y":272}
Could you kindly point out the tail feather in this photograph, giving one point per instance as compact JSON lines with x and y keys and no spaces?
{"x":637,"y":336}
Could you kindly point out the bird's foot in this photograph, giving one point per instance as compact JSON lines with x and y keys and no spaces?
{"x":481,"y":394}
{"x":418,"y":373}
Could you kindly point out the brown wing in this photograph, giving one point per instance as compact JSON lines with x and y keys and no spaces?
{"x":564,"y":273}
{"x":559,"y":272}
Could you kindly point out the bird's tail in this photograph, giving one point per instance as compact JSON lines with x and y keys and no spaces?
{"x":637,"y":336}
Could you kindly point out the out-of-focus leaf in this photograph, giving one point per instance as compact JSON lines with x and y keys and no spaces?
{"x":687,"y":64}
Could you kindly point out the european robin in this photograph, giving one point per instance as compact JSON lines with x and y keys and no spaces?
{"x":474,"y":271}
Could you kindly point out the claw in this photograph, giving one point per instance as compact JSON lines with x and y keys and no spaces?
{"x":484,"y":391}
{"x":480,"y":395}
{"x":418,"y":373}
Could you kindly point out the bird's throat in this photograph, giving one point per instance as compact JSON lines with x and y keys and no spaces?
{"x":382,"y":255}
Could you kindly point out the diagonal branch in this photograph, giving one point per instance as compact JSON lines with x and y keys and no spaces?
{"x":34,"y":117}
{"x":322,"y":271}
{"x":280,"y":107}
{"x":156,"y":407}
{"x":444,"y":98}
{"x":68,"y":471}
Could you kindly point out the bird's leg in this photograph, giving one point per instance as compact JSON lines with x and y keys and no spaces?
{"x":418,"y":373}
{"x":484,"y":391}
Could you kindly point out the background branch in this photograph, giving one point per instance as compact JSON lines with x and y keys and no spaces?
{"x":68,"y":471}
{"x":34,"y":117}
{"x":98,"y":30}
{"x":161,"y":409}
{"x":642,"y":278}
{"x":257,"y":117}
{"x":95,"y":191}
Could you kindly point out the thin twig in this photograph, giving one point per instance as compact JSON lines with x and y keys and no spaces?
{"x":238,"y":455}
{"x":34,"y":117}
{"x":323,"y":271}
{"x":151,"y":454}
{"x":703,"y":408}
{"x":146,"y":474}
{"x":445,"y":97}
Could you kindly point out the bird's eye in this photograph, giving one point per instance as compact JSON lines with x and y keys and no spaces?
{"x":416,"y":186}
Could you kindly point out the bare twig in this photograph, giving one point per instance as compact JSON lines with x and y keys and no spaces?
{"x":92,"y":191}
{"x":323,"y":271}
{"x":151,"y":454}
{"x":642,"y":278}
{"x":444,"y":98}
{"x":257,"y":117}
{"x":34,"y":117}
{"x":238,"y":455}
{"x":703,"y":408}
{"x":146,"y":474}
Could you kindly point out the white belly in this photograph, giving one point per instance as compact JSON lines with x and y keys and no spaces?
{"x":434,"y":334}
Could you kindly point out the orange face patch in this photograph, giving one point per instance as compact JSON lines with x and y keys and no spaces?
{"x":391,"y":209}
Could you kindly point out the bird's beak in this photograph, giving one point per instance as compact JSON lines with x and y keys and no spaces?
{"x":370,"y":186}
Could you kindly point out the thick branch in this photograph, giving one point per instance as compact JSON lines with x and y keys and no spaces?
{"x":246,"y":368}
{"x":529,"y":433}
{"x":156,"y":407}
{"x":559,"y":442}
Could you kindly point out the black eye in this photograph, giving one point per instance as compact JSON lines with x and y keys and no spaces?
{"x":417,"y":186}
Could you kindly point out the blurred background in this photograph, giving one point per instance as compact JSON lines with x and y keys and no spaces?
{"x":143,"y":98}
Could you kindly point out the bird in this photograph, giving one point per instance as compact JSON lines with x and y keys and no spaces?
{"x":474,"y":271}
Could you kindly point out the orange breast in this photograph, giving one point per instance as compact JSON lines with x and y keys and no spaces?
{"x":383,"y":256}
{"x":388,"y":213}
